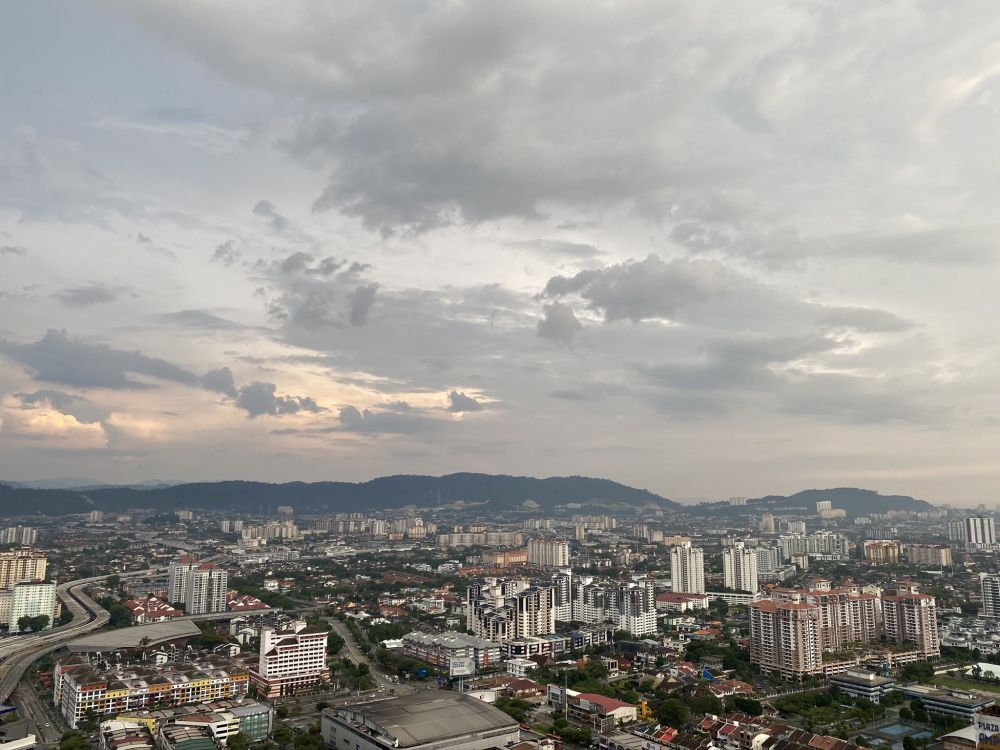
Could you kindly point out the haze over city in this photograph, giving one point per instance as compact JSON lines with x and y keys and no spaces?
{"x":707,"y":249}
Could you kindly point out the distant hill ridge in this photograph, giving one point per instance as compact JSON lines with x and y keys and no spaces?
{"x":500,"y":491}
{"x":856,"y":502}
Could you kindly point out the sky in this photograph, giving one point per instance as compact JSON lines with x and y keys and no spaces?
{"x":704,"y":248}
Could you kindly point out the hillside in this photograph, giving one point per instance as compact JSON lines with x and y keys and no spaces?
{"x":500,"y":491}
{"x":856,"y":502}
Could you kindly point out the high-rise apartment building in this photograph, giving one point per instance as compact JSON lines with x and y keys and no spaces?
{"x":990,"y":583}
{"x":290,"y":661}
{"x":767,"y":523}
{"x":22,"y":564}
{"x":957,"y":531}
{"x":881,"y":551}
{"x":207,"y":585}
{"x":931,"y":555}
{"x":177,"y":579}
{"x":550,"y":553}
{"x":500,"y":609}
{"x":786,"y":637}
{"x":32,"y":599}
{"x":687,"y":569}
{"x":910,"y":616}
{"x":980,"y":531}
{"x":739,"y":568}
{"x":628,"y":605}
{"x":768,"y":560}
{"x":22,"y":535}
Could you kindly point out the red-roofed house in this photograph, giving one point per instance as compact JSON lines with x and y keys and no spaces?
{"x":144,"y":611}
{"x":600,"y":711}
{"x":675,"y":601}
{"x":243,"y":602}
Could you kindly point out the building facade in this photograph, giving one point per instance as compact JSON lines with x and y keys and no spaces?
{"x":291,"y":661}
{"x":550,"y":553}
{"x":739,"y":568}
{"x":687,"y":569}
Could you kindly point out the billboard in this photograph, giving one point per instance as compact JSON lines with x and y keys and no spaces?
{"x":461,"y":667}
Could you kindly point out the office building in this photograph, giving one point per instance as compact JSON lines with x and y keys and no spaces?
{"x":687,"y":569}
{"x":32,"y":599}
{"x":862,"y":684}
{"x":22,"y":564}
{"x":990,"y":583}
{"x":980,"y":531}
{"x":290,"y":661}
{"x":444,"y":649}
{"x":429,"y":720}
{"x":739,"y":568}
{"x":550,"y":553}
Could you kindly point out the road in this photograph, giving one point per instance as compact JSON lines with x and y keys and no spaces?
{"x":358,"y":657}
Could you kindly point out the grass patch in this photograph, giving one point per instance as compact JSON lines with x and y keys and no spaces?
{"x":960,"y":684}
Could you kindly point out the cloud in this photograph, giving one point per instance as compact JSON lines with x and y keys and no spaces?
{"x":12,"y":250}
{"x":559,"y":324}
{"x":57,"y":358}
{"x":201,"y":320}
{"x":458,"y":402}
{"x":91,"y":294}
{"x":360,"y":304}
{"x":260,"y":399}
{"x":559,"y":248}
{"x":83,"y":410}
{"x":864,"y":319}
{"x":220,"y":380}
{"x":376,"y":422}
{"x":226,"y":254}
{"x":269,"y":211}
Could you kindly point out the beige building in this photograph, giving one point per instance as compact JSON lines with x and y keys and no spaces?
{"x":786,"y":637}
{"x":23,"y":564}
{"x":912,"y":617}
{"x":931,"y":555}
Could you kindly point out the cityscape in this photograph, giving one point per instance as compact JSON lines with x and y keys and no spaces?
{"x":522,"y":375}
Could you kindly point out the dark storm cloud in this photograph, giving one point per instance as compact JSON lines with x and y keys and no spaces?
{"x":559,"y":324}
{"x":57,"y":358}
{"x":260,"y":399}
{"x":459,"y":402}
{"x":90,"y":294}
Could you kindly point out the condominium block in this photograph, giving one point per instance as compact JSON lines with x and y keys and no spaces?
{"x":687,"y":569}
{"x":990,"y":583}
{"x":23,"y":564}
{"x":551,"y":553}
{"x":910,"y":616}
{"x":930,"y":555}
{"x":499,"y":609}
{"x":739,"y":568}
{"x":32,"y":599}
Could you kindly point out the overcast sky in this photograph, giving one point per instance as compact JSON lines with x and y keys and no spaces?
{"x":709,"y":249}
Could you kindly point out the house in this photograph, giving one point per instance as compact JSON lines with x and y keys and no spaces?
{"x":145,"y":611}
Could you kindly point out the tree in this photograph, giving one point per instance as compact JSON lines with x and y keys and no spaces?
{"x":281,"y":712}
{"x":918,"y":710}
{"x":23,"y":623}
{"x":674,"y":712}
{"x":706,"y":704}
{"x":238,"y":742}
{"x":909,"y":743}
{"x":38,"y":623}
{"x":74,"y":740}
{"x":747,"y":705}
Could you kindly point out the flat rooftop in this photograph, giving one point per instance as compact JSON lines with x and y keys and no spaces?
{"x":424,"y":717}
{"x":158,"y":632}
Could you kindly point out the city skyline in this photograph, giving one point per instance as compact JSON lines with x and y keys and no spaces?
{"x":705,"y":250}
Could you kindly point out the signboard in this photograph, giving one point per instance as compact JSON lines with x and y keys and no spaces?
{"x":988,"y":730}
{"x":461,"y":667}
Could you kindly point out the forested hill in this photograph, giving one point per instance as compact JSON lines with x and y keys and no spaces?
{"x":856,"y":502}
{"x":499,"y":491}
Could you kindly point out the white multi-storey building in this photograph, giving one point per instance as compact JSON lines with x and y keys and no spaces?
{"x":290,"y":661}
{"x":739,"y":568}
{"x":687,"y":569}
{"x":32,"y":599}
{"x":18,"y":535}
{"x":628,"y":606}
{"x":177,"y":581}
{"x":980,"y":531}
{"x":500,"y":609}
{"x":990,"y":583}
{"x":551,"y":553}
{"x":207,"y":585}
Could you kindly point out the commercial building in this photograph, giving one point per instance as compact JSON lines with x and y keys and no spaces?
{"x":687,"y":569}
{"x":435,"y":720}
{"x":498,"y":609}
{"x":442,"y":649}
{"x":223,"y":718}
{"x":23,"y":564}
{"x":32,"y":599}
{"x":929,"y":555}
{"x":291,"y":661}
{"x":550,"y":553}
{"x":78,"y":689}
{"x":739,"y":568}
{"x":554,"y":644}
{"x":861,"y":684}
{"x":16,"y":735}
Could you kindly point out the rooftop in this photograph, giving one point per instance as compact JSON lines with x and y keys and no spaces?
{"x":159,"y":632}
{"x":416,"y":719}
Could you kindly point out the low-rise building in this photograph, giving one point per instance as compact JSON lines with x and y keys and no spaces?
{"x":435,"y":720}
{"x":963,"y":704}
{"x":440,"y":649}
{"x":861,"y":684}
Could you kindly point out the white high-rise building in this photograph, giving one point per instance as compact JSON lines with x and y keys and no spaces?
{"x":207,"y":585}
{"x":990,"y":583}
{"x":500,"y":609}
{"x":981,"y":531}
{"x":739,"y":568}
{"x":290,"y":661}
{"x":768,"y":560}
{"x":18,"y":535}
{"x":957,"y":531}
{"x":32,"y":599}
{"x":550,"y":553}
{"x":687,"y":569}
{"x":629,"y":606}
{"x":177,"y":582}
